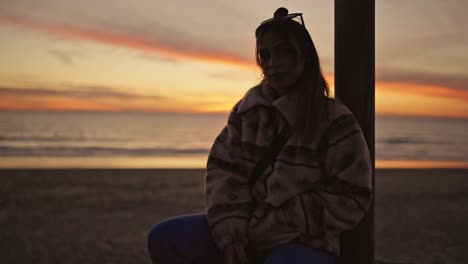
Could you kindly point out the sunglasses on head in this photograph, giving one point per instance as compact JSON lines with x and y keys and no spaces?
{"x":289,"y":16}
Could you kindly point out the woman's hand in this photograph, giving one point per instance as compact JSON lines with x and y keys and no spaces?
{"x":235,"y":254}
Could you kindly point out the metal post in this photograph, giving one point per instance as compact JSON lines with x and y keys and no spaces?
{"x":354,"y":85}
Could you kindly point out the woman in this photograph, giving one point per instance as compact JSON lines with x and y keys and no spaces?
{"x":288,"y":173}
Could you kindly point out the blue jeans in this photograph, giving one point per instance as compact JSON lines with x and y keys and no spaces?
{"x":187,"y":239}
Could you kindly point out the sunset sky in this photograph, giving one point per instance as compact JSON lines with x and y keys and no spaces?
{"x":198,"y":56}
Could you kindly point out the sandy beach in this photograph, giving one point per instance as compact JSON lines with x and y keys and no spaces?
{"x":103,"y":216}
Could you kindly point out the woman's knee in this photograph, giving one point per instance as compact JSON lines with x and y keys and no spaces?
{"x":170,"y":228}
{"x":157,"y":235}
{"x":298,"y":254}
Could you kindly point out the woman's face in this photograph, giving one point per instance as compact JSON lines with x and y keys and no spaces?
{"x":280,"y":60}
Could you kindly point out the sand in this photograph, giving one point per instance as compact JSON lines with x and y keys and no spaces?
{"x":103,"y":216}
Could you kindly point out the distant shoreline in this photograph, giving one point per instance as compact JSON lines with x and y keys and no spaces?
{"x":188,"y":171}
{"x":389,"y":166}
{"x":195,"y":161}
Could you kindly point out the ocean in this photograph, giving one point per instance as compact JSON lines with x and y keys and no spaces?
{"x":162,"y":140}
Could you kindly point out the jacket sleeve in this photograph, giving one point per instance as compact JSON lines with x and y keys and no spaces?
{"x":228,"y":199}
{"x":346,"y":195}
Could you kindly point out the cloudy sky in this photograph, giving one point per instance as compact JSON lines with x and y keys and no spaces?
{"x":198,"y":56}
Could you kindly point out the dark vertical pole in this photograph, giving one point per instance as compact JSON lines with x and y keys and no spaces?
{"x":354,"y":85}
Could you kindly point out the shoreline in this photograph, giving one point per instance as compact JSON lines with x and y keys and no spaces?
{"x":120,"y":171}
{"x":195,"y":161}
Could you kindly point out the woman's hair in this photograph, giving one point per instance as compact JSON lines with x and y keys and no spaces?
{"x":313,"y":104}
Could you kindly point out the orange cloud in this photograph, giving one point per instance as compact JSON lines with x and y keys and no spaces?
{"x":52,"y":104}
{"x":411,"y":99}
{"x":61,"y":103}
{"x":401,"y":99}
{"x":129,"y":41}
{"x":425,"y":89}
{"x":76,"y":98}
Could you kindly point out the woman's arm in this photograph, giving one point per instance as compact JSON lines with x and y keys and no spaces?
{"x":330,"y":206}
{"x":347,"y":193}
{"x":227,"y":193}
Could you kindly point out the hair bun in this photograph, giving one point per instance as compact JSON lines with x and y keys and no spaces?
{"x":280,"y":12}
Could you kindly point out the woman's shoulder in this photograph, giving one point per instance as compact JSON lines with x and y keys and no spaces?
{"x":337,"y":109}
{"x":340,"y":117}
{"x":255,"y":96}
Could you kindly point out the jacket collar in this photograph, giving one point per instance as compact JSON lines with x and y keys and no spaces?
{"x":263,"y":95}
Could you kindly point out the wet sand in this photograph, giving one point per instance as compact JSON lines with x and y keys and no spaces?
{"x":103,"y":216}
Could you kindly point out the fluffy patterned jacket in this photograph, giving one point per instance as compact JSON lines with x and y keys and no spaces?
{"x":295,"y":197}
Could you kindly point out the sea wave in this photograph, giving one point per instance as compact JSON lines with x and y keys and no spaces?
{"x":53,"y":138}
{"x":95,"y":151}
{"x":411,"y":140}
